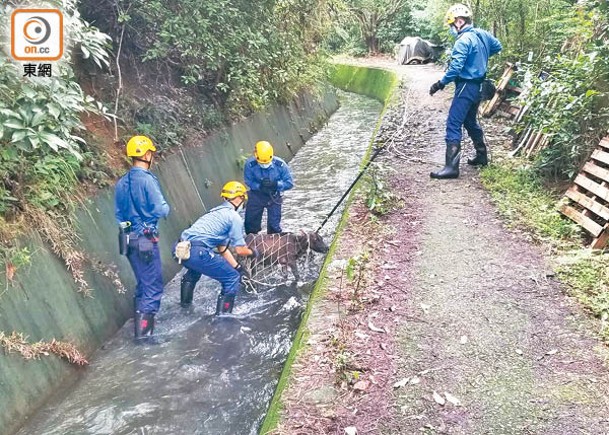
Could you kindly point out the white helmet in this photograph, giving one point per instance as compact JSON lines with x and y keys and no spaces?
{"x":457,"y":10}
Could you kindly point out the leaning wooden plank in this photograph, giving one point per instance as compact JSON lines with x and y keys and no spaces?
{"x":601,"y":241}
{"x":597,"y":171}
{"x":524,"y":136}
{"x":522,"y":112}
{"x":492,"y":105}
{"x":596,"y":189}
{"x":587,"y":202}
{"x":600,"y":156}
{"x":538,"y":137}
{"x":514,"y":110}
{"x":514,"y":89}
{"x":587,"y":223}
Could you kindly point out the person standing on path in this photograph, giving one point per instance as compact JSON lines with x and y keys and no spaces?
{"x":468,"y":66}
{"x":267,"y":177}
{"x":139,"y":204}
{"x":217,"y":229}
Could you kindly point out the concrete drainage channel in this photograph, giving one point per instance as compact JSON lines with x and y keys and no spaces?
{"x":211,"y":375}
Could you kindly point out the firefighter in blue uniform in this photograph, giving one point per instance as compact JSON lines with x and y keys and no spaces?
{"x":267,"y":177}
{"x":468,"y":66}
{"x":209,"y":237}
{"x":140,"y":202}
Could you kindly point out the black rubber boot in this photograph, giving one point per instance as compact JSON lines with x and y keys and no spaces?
{"x":451,"y":168}
{"x":225,"y":304}
{"x":186,"y":291}
{"x":137,"y":320}
{"x":481,"y":157}
{"x":144,"y":324}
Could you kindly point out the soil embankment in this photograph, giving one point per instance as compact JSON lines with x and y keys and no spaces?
{"x":436,"y":318}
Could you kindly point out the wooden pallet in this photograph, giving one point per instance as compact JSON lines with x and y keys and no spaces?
{"x":588,"y":198}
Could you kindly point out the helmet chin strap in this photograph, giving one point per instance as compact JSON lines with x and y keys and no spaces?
{"x":148,"y":162}
{"x":237,"y":206}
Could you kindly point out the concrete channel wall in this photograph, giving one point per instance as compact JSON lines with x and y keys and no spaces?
{"x":381,"y":85}
{"x":44,"y":304}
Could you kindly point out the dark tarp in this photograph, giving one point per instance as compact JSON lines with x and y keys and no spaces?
{"x":415,"y":50}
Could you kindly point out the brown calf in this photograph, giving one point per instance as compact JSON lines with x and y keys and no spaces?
{"x":285,"y":249}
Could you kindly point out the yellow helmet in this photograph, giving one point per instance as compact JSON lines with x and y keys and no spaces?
{"x":455,"y":11}
{"x":139,"y":145}
{"x":263,"y":152}
{"x":233,"y":189}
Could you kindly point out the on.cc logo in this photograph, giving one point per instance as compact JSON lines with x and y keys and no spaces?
{"x":37,"y":34}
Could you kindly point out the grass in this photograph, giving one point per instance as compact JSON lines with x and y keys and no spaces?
{"x":527,"y":204}
{"x":523,"y":200}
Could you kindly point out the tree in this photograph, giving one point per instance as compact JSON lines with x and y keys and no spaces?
{"x":370,"y":15}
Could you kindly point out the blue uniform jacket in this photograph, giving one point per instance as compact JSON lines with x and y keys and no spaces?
{"x":150,"y":204}
{"x":219,"y":226}
{"x":279,"y":171}
{"x":469,"y":58}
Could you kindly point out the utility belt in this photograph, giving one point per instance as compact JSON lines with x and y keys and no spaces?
{"x":129,"y":242}
{"x":478,"y":81}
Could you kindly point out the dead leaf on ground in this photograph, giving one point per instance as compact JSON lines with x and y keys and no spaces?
{"x":438,"y":399}
{"x":361,"y":385}
{"x":452,"y":399}
{"x":10,"y":271}
{"x":551,"y":352}
{"x":401,"y":383}
{"x":375,"y":328}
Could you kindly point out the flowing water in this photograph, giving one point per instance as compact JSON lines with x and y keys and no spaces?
{"x":209,"y":375}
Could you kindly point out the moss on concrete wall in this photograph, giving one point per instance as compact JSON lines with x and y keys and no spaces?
{"x":373,"y":82}
{"x":43,"y":302}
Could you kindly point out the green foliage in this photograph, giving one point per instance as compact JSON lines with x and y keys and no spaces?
{"x":380,"y":200}
{"x":369,"y":26}
{"x":242,"y":55}
{"x":570,"y":104}
{"x":525,"y":202}
{"x":38,"y":116}
{"x":42,"y":159}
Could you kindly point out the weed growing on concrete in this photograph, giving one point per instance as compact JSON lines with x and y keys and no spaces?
{"x":17,"y":342}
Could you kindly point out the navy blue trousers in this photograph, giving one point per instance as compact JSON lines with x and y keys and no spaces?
{"x":464,"y":113}
{"x":204,"y":261}
{"x":149,"y":276}
{"x":256,"y":204}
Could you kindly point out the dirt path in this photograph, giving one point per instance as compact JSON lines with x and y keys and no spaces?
{"x":444,"y":299}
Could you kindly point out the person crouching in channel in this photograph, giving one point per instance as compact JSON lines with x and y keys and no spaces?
{"x":139,"y":204}
{"x":203,"y":249}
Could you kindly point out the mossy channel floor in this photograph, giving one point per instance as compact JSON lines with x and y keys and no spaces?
{"x":443,"y":298}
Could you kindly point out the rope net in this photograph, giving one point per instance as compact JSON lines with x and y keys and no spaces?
{"x":278,"y":260}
